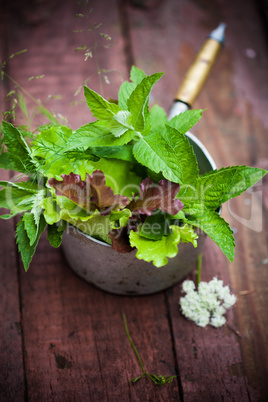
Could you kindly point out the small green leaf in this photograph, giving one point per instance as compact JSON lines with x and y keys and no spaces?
{"x":18,"y":151}
{"x":154,"y":152}
{"x":16,"y":198}
{"x":97,"y":135}
{"x":123,"y":152}
{"x":139,"y":98}
{"x":186,"y":158}
{"x":27,"y":251}
{"x":126,"y":89}
{"x":30,"y":227}
{"x":120,"y":123}
{"x":217,"y":229}
{"x":119,"y":219}
{"x":186,"y":120}
{"x":219,"y":186}
{"x":55,"y":232}
{"x":158,"y":119}
{"x":99,"y":107}
{"x":137,"y":75}
{"x":186,"y":232}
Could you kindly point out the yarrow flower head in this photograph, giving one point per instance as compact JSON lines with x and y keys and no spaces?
{"x":208,"y":304}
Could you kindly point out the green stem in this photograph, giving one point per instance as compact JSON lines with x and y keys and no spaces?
{"x":132,"y":344}
{"x":41,"y":107}
{"x":198,"y":272}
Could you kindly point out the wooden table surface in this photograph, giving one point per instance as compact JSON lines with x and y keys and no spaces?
{"x":64,"y":340}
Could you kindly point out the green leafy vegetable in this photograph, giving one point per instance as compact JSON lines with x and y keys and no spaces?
{"x":130,"y":178}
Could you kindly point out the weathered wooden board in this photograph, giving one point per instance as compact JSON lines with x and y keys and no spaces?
{"x":12,"y":380}
{"x":73,"y":338}
{"x":75,"y":343}
{"x":233,"y":128}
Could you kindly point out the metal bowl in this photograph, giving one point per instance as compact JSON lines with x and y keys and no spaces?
{"x":97,"y":263}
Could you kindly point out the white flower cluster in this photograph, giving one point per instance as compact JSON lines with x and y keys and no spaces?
{"x":208,"y":304}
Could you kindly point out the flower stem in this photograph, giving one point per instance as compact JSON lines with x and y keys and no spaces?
{"x":157,"y":379}
{"x":132,"y":344}
{"x":198,"y":272}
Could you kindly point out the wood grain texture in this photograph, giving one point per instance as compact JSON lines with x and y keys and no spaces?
{"x":233,"y":128}
{"x":73,"y":339}
{"x":12,"y":381}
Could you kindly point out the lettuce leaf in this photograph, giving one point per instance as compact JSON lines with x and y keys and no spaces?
{"x":89,"y":194}
{"x":157,"y":251}
{"x":154,"y":197}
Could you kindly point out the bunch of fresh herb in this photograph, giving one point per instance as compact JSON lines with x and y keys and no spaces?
{"x":130,"y":178}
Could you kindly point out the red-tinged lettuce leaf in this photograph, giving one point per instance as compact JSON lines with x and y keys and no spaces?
{"x":154,"y":197}
{"x":90,"y":194}
{"x":73,"y":188}
{"x":120,"y":240}
{"x":102,"y":195}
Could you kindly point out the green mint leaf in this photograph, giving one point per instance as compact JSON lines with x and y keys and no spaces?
{"x":217,"y":229}
{"x":156,"y":251}
{"x":55,"y":232}
{"x":19,"y":153}
{"x":154,"y":152}
{"x":136,"y":75}
{"x":123,"y":152}
{"x":31,"y":220}
{"x":30,"y":227}
{"x":5,"y":162}
{"x":37,"y":206}
{"x":158,"y":119}
{"x":120,"y":123}
{"x":97,"y":135}
{"x":186,"y":120}
{"x":17,"y":197}
{"x":219,"y":186}
{"x":100,"y":108}
{"x":185,"y":154}
{"x":124,"y":93}
{"x":139,"y":98}
{"x":126,"y":89}
{"x":27,"y":251}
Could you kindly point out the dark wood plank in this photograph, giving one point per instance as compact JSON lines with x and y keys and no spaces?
{"x":12,"y":385}
{"x":234,"y":128}
{"x":75,"y":339}
{"x":75,"y":343}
